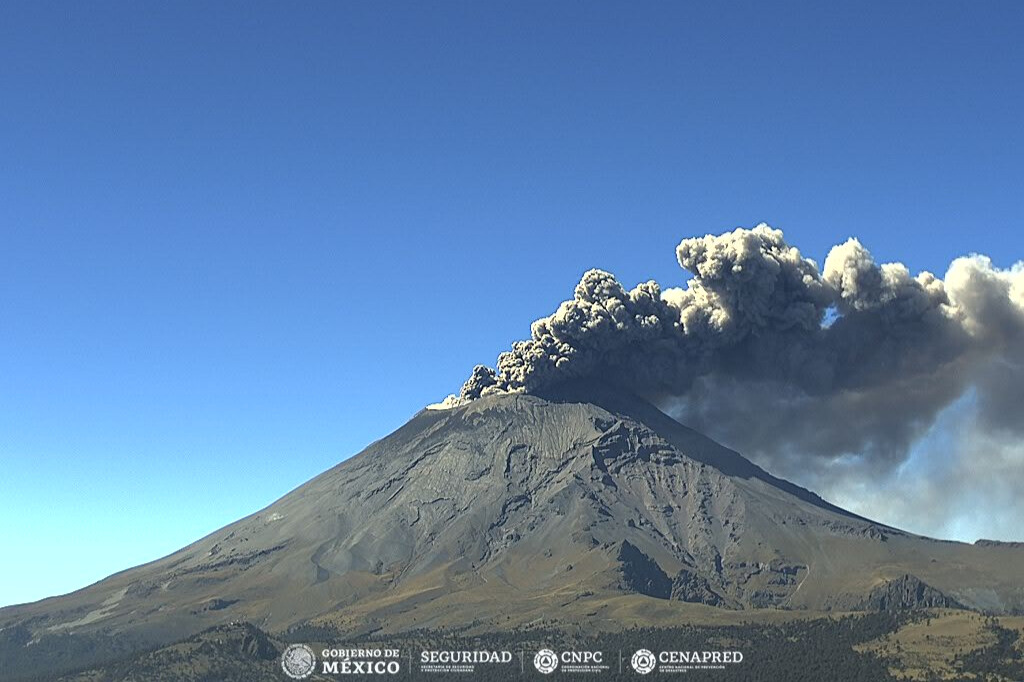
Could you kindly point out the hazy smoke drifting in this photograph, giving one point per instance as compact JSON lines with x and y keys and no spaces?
{"x":828,"y":376}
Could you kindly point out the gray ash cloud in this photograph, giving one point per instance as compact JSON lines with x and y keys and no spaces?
{"x":806,"y":369}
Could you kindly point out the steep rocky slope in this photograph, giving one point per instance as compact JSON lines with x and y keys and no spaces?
{"x":515,"y":508}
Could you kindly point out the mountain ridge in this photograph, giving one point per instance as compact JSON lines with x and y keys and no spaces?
{"x":580,"y":504}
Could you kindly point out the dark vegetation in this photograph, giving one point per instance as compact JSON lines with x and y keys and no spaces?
{"x":998,"y":661}
{"x":22,"y":658}
{"x":820,"y":649}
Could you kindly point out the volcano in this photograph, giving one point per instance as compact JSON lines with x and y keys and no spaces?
{"x":585,"y":504}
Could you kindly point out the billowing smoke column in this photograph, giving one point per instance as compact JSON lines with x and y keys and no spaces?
{"x":758,"y":309}
{"x":798,"y":367}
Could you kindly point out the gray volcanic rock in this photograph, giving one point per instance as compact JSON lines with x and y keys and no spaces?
{"x":639,"y":573}
{"x":516,"y":508}
{"x":690,"y":586}
{"x":999,"y":543}
{"x":907,"y":592}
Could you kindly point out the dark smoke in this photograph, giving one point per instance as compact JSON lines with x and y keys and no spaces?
{"x":812,"y":372}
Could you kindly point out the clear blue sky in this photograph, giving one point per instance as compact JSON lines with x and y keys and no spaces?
{"x":239,"y":241}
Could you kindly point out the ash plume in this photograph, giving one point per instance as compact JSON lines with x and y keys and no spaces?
{"x":828,"y":375}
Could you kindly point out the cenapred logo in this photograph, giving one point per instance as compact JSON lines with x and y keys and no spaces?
{"x":298,"y":661}
{"x":545,"y":661}
{"x":643,"y":661}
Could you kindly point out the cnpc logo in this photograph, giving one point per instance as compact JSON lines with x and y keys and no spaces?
{"x":547,"y":661}
{"x":643,"y":661}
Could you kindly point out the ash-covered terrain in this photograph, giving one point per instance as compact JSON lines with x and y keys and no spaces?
{"x":588,"y":507}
